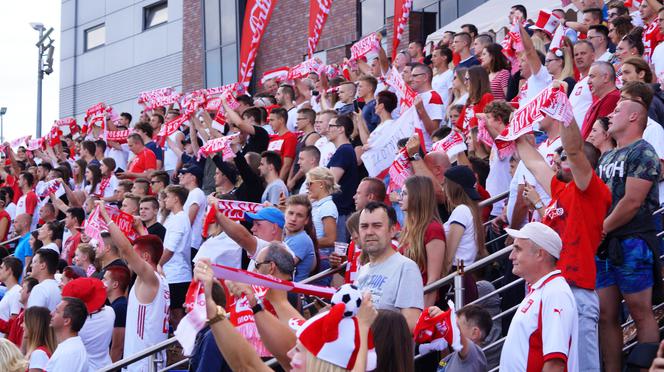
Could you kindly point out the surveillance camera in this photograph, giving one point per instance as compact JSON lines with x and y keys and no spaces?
{"x":37,"y":25}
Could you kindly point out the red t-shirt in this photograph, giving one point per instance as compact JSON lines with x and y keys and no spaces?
{"x":600,"y":107}
{"x":145,"y":160}
{"x":652,"y":36}
{"x":11,"y":182}
{"x":5,"y":215}
{"x":577,"y":216}
{"x":283,"y":144}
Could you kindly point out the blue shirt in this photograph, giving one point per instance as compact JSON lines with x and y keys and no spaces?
{"x":23,"y":248}
{"x":206,"y":355}
{"x":345,"y":159}
{"x":369,"y":115}
{"x":158,"y":152}
{"x":303,"y":247}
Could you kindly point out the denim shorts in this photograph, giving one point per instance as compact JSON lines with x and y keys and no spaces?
{"x":636,"y":272}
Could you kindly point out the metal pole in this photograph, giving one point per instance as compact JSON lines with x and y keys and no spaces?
{"x":40,"y":77}
{"x":458,"y":286}
{"x":2,"y":128}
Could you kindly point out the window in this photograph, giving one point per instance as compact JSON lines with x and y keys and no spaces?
{"x":373,"y":16}
{"x":95,"y":37}
{"x":155,"y":14}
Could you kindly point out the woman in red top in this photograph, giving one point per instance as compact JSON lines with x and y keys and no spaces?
{"x":40,"y":340}
{"x":423,"y":237}
{"x":5,"y":219}
{"x":479,"y":95}
{"x":496,"y":64}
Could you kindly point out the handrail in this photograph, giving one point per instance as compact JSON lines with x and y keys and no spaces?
{"x":493,"y":199}
{"x":140,"y":355}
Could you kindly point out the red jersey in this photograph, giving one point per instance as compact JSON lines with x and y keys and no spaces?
{"x":12,"y":182}
{"x":145,"y":160}
{"x":283,"y":144}
{"x":69,"y":247}
{"x":13,"y":328}
{"x":5,"y":215}
{"x":652,"y":36}
{"x":577,"y":216}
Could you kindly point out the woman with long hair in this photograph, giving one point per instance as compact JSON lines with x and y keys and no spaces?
{"x":108,"y":182}
{"x":619,"y":27}
{"x":39,"y":338}
{"x":479,"y":95}
{"x":463,"y":230}
{"x":560,"y":64}
{"x":496,"y":64}
{"x":631,"y":45}
{"x":92,"y":179}
{"x":599,"y":136}
{"x":393,"y":342}
{"x":423,"y":237}
{"x":459,"y":88}
{"x":324,"y":213}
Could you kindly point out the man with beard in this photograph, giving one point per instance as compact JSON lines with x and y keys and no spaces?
{"x":579,"y":204}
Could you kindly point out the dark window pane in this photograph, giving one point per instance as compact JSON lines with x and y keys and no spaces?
{"x":155,"y":14}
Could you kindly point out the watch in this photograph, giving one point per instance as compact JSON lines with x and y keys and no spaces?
{"x":258,"y":307}
{"x":415,"y":157}
{"x":539,"y":204}
{"x":220,"y":315}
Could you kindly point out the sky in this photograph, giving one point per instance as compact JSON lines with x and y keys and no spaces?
{"x":18,"y":66}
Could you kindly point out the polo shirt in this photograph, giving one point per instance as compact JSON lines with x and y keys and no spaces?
{"x":544,"y":327}
{"x":144,"y":160}
{"x":599,"y":108}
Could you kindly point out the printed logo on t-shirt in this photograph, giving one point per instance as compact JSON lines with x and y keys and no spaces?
{"x":607,"y":171}
{"x":527,"y":306}
{"x":375,"y":286}
{"x":275,"y":145}
{"x":553,"y":212}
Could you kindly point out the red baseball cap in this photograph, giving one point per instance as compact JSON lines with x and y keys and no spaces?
{"x":89,"y":290}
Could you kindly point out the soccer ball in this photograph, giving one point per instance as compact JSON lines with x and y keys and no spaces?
{"x":350,"y":296}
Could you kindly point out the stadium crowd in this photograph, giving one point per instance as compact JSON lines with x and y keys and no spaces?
{"x":112,"y":236}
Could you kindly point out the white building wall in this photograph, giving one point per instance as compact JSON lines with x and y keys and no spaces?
{"x":132,"y":60}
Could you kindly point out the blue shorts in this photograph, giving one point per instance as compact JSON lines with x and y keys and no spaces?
{"x":636,"y":272}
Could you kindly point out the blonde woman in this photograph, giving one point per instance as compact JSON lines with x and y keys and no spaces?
{"x":560,"y":65}
{"x":320,"y":187}
{"x":11,"y":358}
{"x":40,"y":342}
{"x":423,"y":237}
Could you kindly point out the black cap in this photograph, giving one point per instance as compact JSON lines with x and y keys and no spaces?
{"x":193,"y":169}
{"x":465,"y":177}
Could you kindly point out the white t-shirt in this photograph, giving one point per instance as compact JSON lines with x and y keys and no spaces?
{"x":45,"y":294}
{"x":10,"y":304}
{"x":221,"y":250}
{"x":498,"y":180}
{"x":70,"y":356}
{"x":581,"y":98}
{"x":467,"y":249}
{"x":96,"y":335}
{"x":654,"y":135}
{"x":38,"y":359}
{"x":291,"y":124}
{"x":170,"y":158}
{"x":433,"y":105}
{"x":196,"y":196}
{"x":545,"y":324}
{"x":442,"y":83}
{"x":536,"y":84}
{"x":658,"y":62}
{"x":177,"y":240}
{"x":120,"y":156}
{"x":326,"y":148}
{"x":51,"y":246}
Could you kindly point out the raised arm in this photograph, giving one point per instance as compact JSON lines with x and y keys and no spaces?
{"x":572,"y":141}
{"x":142,"y":269}
{"x":531,"y":53}
{"x":535,"y":163}
{"x":235,"y":231}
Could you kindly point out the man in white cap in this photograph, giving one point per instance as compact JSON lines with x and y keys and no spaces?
{"x":543,"y":333}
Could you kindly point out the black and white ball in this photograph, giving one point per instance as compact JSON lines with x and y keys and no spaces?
{"x":350,"y":296}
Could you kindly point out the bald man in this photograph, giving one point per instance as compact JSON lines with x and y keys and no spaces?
{"x":22,"y":228}
{"x":433,"y":166}
{"x":602,"y":84}
{"x":631,"y":171}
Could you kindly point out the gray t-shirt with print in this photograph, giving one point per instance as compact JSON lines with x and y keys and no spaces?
{"x":475,"y":361}
{"x":394,"y":284}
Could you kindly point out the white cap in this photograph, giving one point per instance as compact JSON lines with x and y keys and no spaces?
{"x":540,"y":234}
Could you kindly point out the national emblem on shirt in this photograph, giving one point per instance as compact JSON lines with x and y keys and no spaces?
{"x":553,"y":211}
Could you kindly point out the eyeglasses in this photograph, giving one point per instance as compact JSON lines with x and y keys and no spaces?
{"x":416,"y":75}
{"x":551,"y":60}
{"x":309,"y":183}
{"x":258,"y":264}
